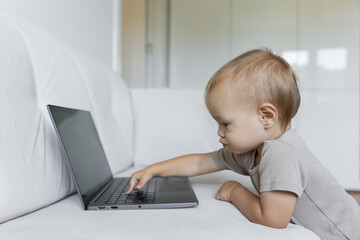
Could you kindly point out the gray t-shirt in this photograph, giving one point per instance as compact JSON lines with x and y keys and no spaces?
{"x":287,"y":164}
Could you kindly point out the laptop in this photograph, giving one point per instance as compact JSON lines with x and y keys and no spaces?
{"x":96,"y":187}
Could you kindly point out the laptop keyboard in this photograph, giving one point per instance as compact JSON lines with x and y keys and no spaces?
{"x":117,"y":194}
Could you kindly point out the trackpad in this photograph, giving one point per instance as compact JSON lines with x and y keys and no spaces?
{"x":173,"y":184}
{"x":175,"y":190}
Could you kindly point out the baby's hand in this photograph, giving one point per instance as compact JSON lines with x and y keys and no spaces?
{"x":224,"y":192}
{"x":138,"y":180}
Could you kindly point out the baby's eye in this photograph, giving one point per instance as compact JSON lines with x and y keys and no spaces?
{"x":225,"y":124}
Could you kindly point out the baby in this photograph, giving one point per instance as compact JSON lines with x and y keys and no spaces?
{"x":253,"y":99}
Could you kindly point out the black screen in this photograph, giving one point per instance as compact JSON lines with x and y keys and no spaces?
{"x":83,"y":148}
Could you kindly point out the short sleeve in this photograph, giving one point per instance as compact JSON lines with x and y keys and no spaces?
{"x":240,"y":163}
{"x":279,"y":168}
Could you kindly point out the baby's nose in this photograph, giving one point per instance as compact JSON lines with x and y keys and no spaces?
{"x":220,"y":132}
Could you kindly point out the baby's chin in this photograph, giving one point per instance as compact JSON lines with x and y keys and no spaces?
{"x":232,"y":150}
{"x":237,"y":151}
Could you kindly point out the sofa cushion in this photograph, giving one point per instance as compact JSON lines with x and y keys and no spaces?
{"x":212,"y":219}
{"x":170,"y":123}
{"x":37,"y":70}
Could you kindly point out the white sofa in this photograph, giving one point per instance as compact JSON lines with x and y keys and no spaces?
{"x":137,"y":128}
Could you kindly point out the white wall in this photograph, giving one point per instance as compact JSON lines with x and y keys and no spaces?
{"x":200,"y":33}
{"x":144,"y":43}
{"x":86,"y":24}
{"x":320,"y":38}
{"x":156,"y":48}
{"x":133,"y":42}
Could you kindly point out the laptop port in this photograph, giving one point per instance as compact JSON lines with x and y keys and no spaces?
{"x":139,"y":206}
{"x":114,"y":207}
{"x":101,"y":207}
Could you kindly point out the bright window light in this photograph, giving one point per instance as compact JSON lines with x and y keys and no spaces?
{"x":332,"y":59}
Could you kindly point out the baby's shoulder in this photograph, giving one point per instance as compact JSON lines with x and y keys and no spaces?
{"x":278,"y":147}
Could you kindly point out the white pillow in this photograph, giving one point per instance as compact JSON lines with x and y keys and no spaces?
{"x":170,"y":123}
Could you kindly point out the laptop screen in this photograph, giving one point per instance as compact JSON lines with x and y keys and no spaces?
{"x":83,"y":148}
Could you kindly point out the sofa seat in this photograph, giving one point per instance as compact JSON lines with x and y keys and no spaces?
{"x":211,"y":219}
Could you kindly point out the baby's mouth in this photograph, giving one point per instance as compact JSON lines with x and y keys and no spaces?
{"x":224,"y":145}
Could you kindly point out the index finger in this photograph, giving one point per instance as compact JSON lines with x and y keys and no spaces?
{"x":133,"y":181}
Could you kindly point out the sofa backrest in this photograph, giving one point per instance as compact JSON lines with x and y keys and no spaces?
{"x":171,"y":123}
{"x":36,"y":70}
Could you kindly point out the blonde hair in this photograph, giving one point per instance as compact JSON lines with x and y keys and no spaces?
{"x":262,"y":77}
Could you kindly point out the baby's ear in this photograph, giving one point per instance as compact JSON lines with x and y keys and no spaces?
{"x":268,"y":114}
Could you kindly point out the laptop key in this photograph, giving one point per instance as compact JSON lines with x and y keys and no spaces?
{"x":130,"y":200}
{"x":121,"y":201}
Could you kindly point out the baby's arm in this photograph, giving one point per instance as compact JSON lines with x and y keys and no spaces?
{"x":185,"y":166}
{"x":272,"y":209}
